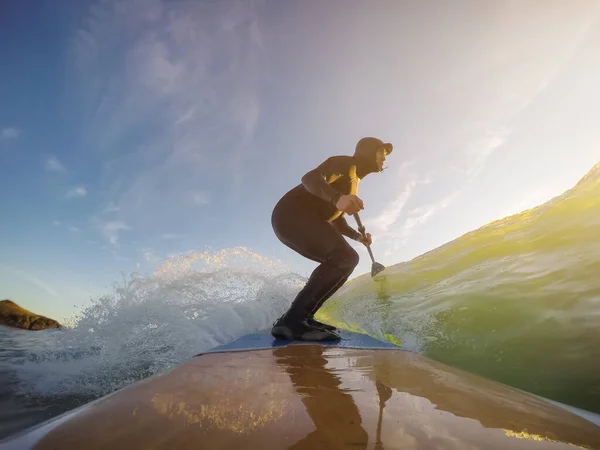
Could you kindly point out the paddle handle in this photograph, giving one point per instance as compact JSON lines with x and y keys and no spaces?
{"x":361,"y":229}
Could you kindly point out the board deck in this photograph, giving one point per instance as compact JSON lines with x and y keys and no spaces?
{"x":264,"y":340}
{"x":260,"y":393}
{"x":314,"y":397}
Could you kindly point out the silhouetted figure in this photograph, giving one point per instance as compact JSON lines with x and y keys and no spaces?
{"x":309,"y":219}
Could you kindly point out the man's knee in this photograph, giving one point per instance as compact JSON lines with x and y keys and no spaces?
{"x":352,"y":259}
{"x":346,"y":259}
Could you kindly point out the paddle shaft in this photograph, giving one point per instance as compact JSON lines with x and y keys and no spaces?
{"x":361,"y":229}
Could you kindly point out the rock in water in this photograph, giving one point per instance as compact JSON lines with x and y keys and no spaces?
{"x":13,"y":315}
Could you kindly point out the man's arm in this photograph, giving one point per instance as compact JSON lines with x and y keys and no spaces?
{"x":316,"y":181}
{"x":343,"y":227}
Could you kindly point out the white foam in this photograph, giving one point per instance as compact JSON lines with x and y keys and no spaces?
{"x":150,"y":323}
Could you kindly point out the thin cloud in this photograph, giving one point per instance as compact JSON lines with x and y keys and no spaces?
{"x":74,"y":230}
{"x":169,"y":236}
{"x":199,"y":198}
{"x":149,"y":255}
{"x":477,"y":155}
{"x":111,"y":230}
{"x":414,"y":219}
{"x":479,"y":152}
{"x":178,"y":66}
{"x":422,"y":214}
{"x":78,"y":191}
{"x":185,"y":116}
{"x":10,"y":133}
{"x":393,"y":210}
{"x":396,"y":225}
{"x":54,"y":165}
{"x":111,"y":207}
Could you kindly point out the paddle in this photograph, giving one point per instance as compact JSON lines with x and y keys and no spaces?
{"x":376,"y":267}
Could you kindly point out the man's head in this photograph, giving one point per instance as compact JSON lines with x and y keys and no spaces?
{"x":370,"y":154}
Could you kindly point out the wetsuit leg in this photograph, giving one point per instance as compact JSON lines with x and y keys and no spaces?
{"x":325,"y":298}
{"x":318,"y":240}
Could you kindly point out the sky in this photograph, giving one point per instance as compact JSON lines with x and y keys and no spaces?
{"x":134,"y":130}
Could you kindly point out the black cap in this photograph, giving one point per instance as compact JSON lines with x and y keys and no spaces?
{"x":369,"y":145}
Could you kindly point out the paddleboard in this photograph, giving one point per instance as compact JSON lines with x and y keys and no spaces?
{"x":356,"y":393}
{"x":264,"y":340}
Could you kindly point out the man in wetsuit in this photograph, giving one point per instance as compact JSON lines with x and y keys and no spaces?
{"x":310,"y":220}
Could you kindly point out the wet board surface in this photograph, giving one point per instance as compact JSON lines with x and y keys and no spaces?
{"x":264,"y":340}
{"x":314,"y":397}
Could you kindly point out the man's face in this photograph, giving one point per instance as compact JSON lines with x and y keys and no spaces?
{"x":380,"y":158}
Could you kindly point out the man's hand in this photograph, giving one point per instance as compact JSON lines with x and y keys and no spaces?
{"x":350,"y":204}
{"x":366,"y":240}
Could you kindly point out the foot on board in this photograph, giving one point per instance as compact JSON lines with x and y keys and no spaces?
{"x":315,"y":323}
{"x":301,"y":331}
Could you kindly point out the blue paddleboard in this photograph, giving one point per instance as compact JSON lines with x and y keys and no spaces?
{"x":264,"y":340}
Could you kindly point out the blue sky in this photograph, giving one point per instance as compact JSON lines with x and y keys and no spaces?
{"x":134,"y":130}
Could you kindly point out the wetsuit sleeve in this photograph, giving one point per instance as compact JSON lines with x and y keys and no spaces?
{"x":317,"y":180}
{"x":342,"y":226}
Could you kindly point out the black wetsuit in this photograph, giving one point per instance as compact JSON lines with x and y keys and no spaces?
{"x":302,"y":220}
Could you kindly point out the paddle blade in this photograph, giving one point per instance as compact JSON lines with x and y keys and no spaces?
{"x":377,"y":268}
